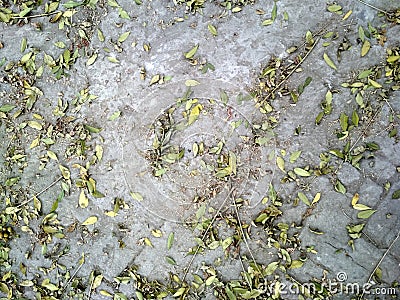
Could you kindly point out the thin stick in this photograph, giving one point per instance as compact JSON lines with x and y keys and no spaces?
{"x":294,"y":70}
{"x":41,"y":192}
{"x":244,"y":237}
{"x":373,"y":7}
{"x":205,"y":233}
{"x":382,"y":258}
{"x":366,"y":128}
{"x":36,"y":16}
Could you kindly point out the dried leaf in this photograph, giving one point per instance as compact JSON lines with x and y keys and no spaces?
{"x":294,"y":156}
{"x":83,"y":200}
{"x":365,"y":48}
{"x":170,"y":240}
{"x":301,"y":172}
{"x":359,"y":206}
{"x":296,"y":264}
{"x":365,"y":214}
{"x":355,"y":199}
{"x":281,"y":163}
{"x":303,"y":198}
{"x":136,"y":196}
{"x":329,"y":62}
{"x":316,"y":198}
{"x":123,"y":36}
{"x":212,"y":29}
{"x":191,"y":52}
{"x":91,"y":59}
{"x":90,"y":221}
{"x":191,"y":82}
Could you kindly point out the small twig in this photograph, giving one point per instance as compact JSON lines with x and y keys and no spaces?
{"x":72,"y":276}
{"x":380,"y":261}
{"x":244,"y":237}
{"x":373,"y":7}
{"x":36,"y":16}
{"x":41,"y":192}
{"x":366,"y":128}
{"x":205,"y":233}
{"x":294,"y":70}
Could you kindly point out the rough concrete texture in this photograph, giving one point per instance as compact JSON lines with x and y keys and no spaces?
{"x":161,"y":32}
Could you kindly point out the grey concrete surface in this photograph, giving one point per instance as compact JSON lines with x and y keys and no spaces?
{"x":239,"y":52}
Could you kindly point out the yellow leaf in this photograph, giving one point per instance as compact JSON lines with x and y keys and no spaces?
{"x":191,"y":52}
{"x":89,"y":221}
{"x":361,"y":207}
{"x":347,"y":15}
{"x":83,"y":200}
{"x":52,"y":155}
{"x":99,"y":152}
{"x":35,"y":125}
{"x":374,"y":83}
{"x":191,"y":82}
{"x":91,"y":60}
{"x":355,"y":199}
{"x":316,"y":198}
{"x":194,"y":113}
{"x":329,"y":62}
{"x":365,"y":48}
{"x":157,"y":233}
{"x":111,"y":213}
{"x":136,"y":196}
{"x":281,"y":163}
{"x":148,"y":242}
{"x":35,"y":143}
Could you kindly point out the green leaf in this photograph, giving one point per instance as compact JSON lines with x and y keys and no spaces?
{"x":170,"y":240}
{"x":359,"y":206}
{"x":100,"y":35}
{"x":123,"y":36}
{"x":294,"y":156}
{"x":114,"y":116}
{"x":72,"y":4}
{"x":355,"y":118}
{"x":334,"y":8}
{"x":97,"y":194}
{"x":396,"y":194}
{"x":303,"y":198}
{"x":274,"y":11}
{"x":267,"y":22}
{"x":270,"y":269}
{"x":329,"y":62}
{"x":6,"y":108}
{"x":191,"y":82}
{"x":344,"y":121}
{"x":191,"y":52}
{"x":365,"y":214}
{"x":170,"y":260}
{"x":339,"y":187}
{"x":212,"y":29}
{"x":280,"y":163}
{"x":301,"y":172}
{"x":296,"y":264}
{"x":92,"y":129}
{"x":112,"y":59}
{"x":136,"y":196}
{"x":23,"y":45}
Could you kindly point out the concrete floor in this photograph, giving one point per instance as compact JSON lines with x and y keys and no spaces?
{"x":128,"y":108}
